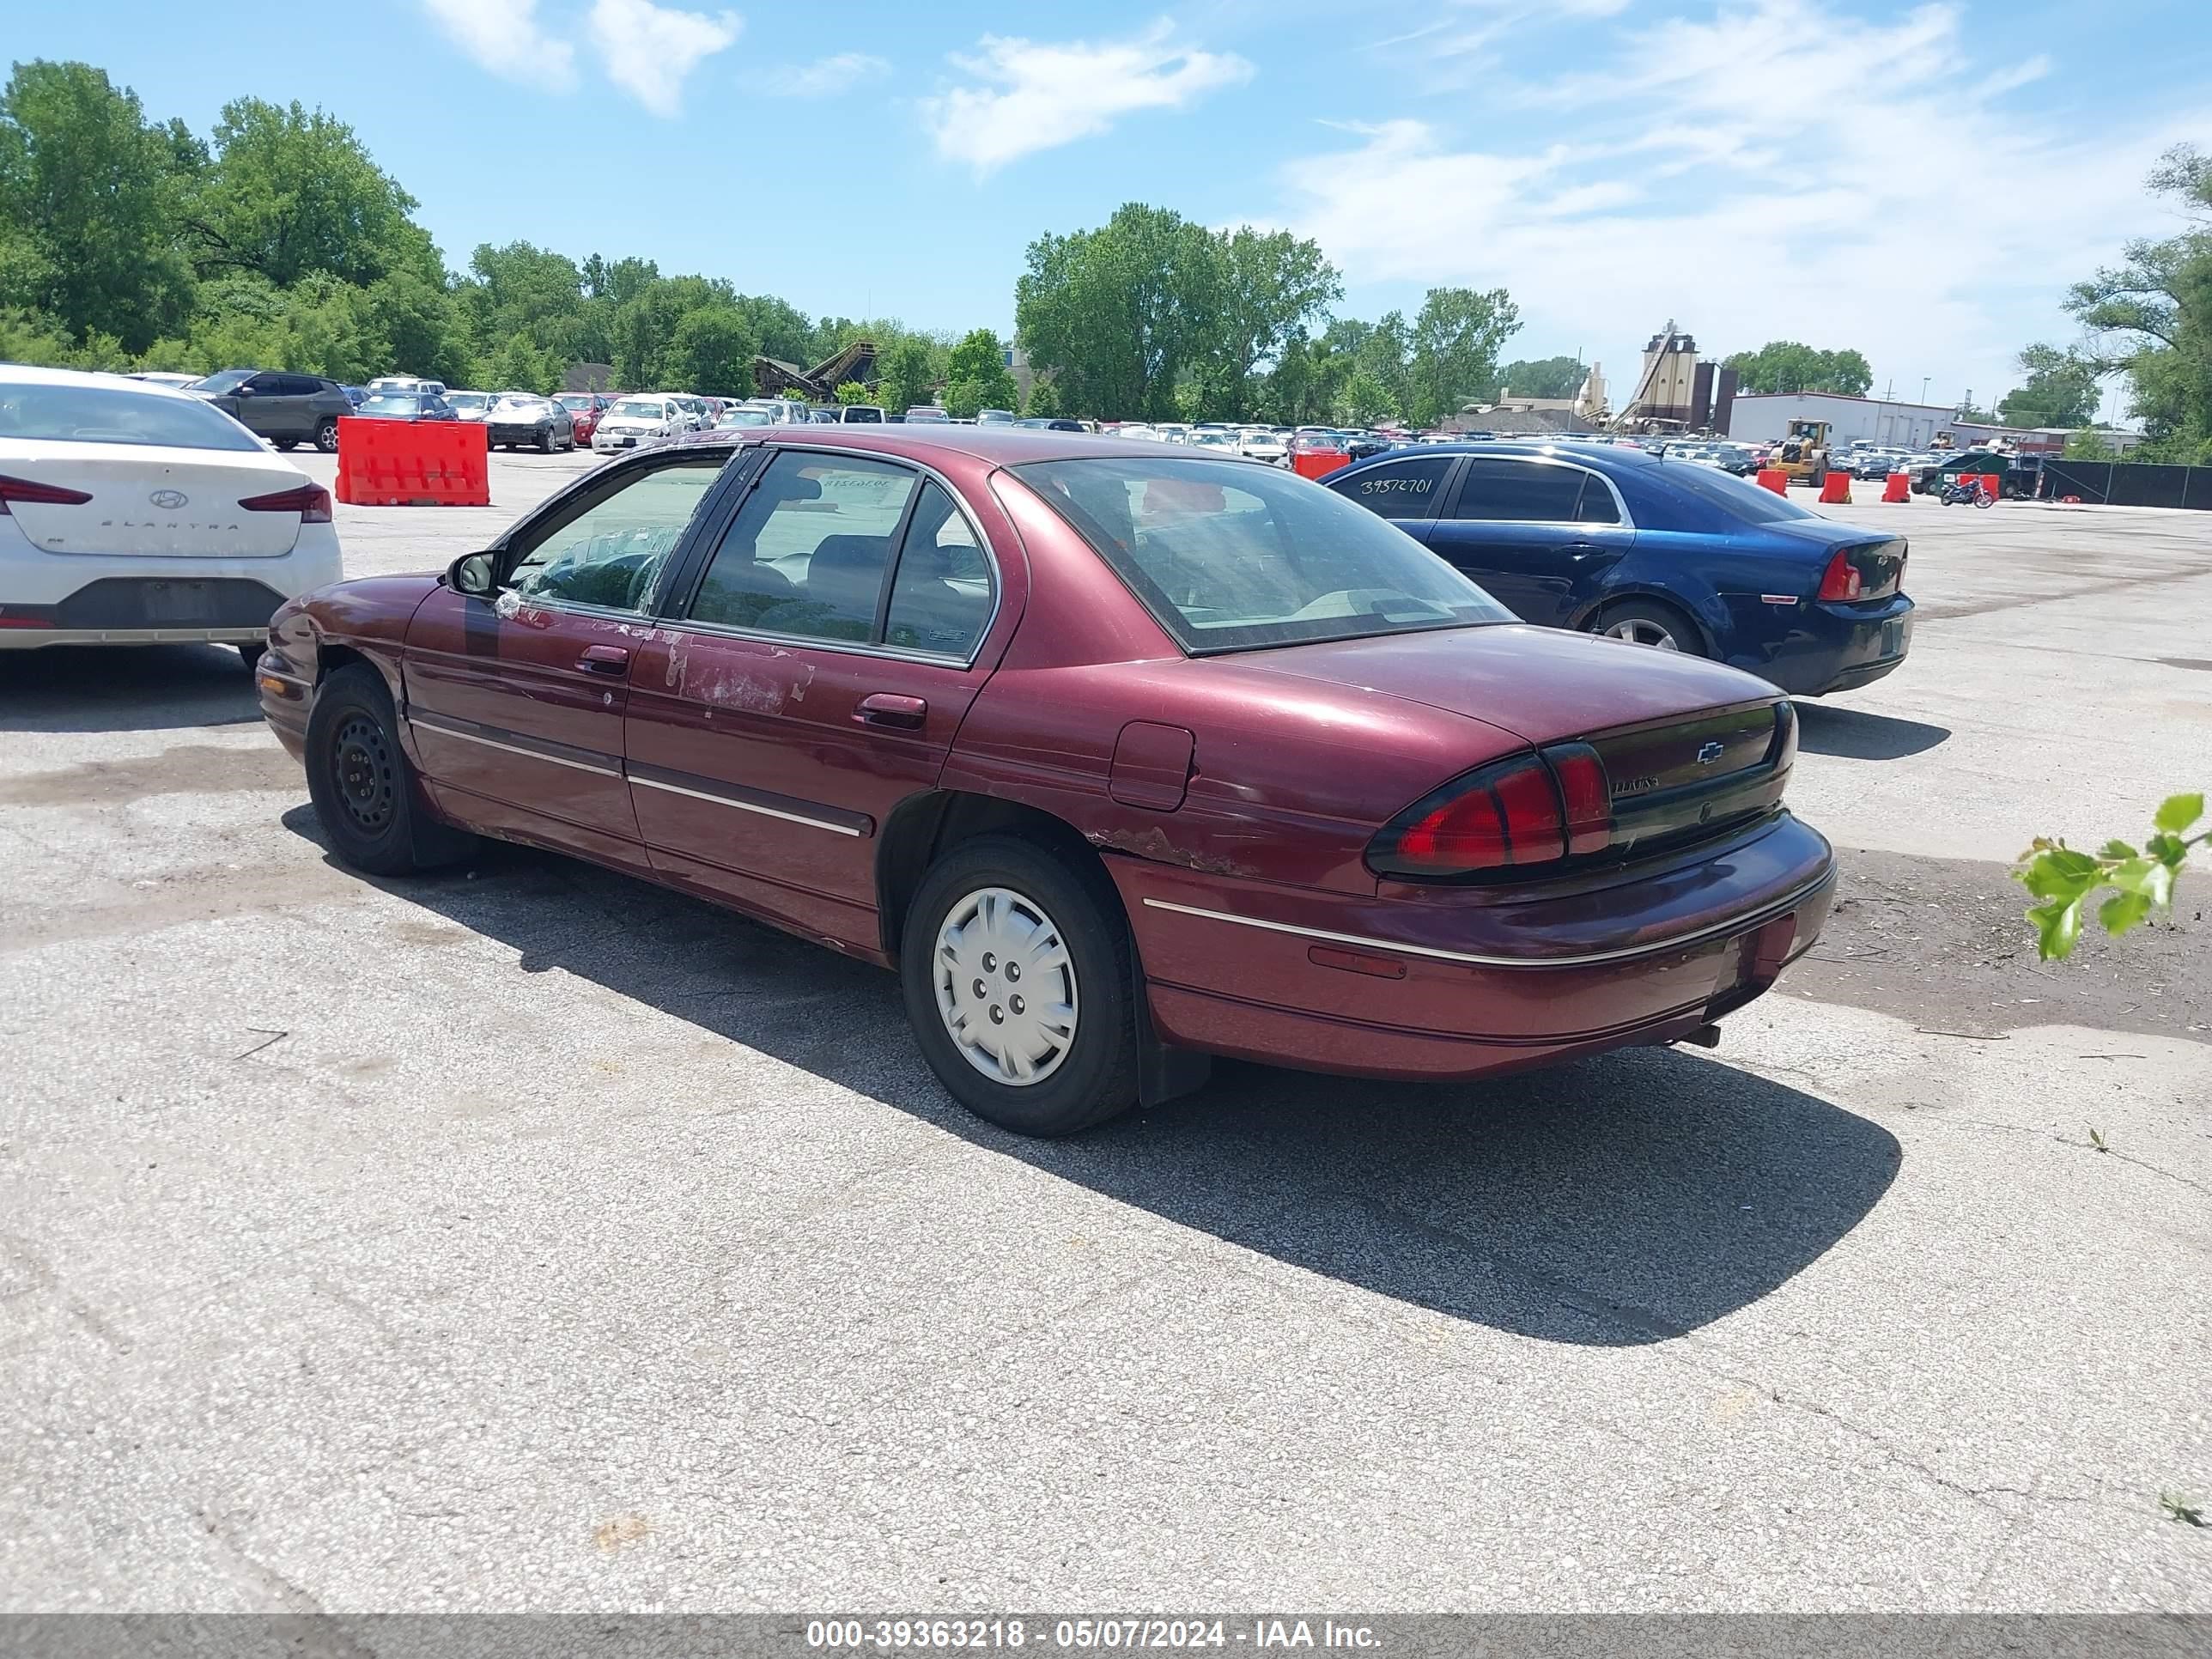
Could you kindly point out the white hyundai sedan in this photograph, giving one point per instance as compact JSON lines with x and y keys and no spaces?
{"x":131,"y":513}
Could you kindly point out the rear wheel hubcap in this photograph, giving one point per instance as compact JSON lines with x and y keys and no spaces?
{"x":363,"y":766}
{"x":1005,"y":987}
{"x":1642,"y":631}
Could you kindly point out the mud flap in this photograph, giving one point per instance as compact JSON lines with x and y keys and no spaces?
{"x":1164,"y":1073}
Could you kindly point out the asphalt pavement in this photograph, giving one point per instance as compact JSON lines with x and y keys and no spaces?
{"x":529,"y":1237}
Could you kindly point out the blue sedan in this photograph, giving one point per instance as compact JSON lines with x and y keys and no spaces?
{"x":1659,"y":552}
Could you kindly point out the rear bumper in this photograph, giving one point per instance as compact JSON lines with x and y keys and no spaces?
{"x":1453,"y":988}
{"x":88,"y":599}
{"x":1816,"y":648}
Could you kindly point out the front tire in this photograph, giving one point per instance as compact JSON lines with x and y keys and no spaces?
{"x":1016,"y":971}
{"x":366,"y":793}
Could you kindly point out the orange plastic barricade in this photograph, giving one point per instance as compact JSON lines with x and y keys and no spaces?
{"x":1774,"y":478}
{"x":1836,"y":489}
{"x":1897,"y":487}
{"x":1318,"y":463}
{"x":413,"y":463}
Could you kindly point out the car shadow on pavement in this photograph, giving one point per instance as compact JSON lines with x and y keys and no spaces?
{"x":1614,"y":1201}
{"x":138,"y":688}
{"x":1856,"y":734}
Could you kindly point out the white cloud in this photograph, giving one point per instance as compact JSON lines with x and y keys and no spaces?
{"x":504,"y":37}
{"x":826,"y":76}
{"x":649,"y":49}
{"x":1038,"y":96}
{"x":1776,"y":171}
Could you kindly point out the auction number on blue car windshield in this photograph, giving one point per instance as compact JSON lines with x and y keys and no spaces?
{"x":1395,"y":486}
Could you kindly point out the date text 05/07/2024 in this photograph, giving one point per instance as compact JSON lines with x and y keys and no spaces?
{"x":1126,"y":1631}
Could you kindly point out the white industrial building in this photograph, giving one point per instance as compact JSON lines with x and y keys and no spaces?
{"x":1762,"y":417}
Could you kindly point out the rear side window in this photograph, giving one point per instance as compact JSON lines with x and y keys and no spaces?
{"x":1597,"y":505}
{"x":298,"y":386}
{"x":941,"y":595}
{"x":1403,"y":490}
{"x":1519,"y":492}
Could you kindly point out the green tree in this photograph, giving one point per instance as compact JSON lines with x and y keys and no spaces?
{"x":524,"y":290}
{"x":2153,"y":313}
{"x":1542,"y":377}
{"x":1366,"y":400}
{"x":1120,"y":312}
{"x":1456,"y":340}
{"x":518,"y":365}
{"x":1268,"y":286}
{"x":88,"y":197}
{"x":850,"y":393}
{"x":908,"y":374}
{"x":1786,"y":365}
{"x":2089,"y":445}
{"x":1303,"y":386}
{"x":711,"y":351}
{"x":420,"y":327}
{"x":290,"y":191}
{"x":2061,"y":389}
{"x":1044,"y":401}
{"x":976,"y":375}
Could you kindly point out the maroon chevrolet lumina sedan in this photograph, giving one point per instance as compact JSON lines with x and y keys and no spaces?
{"x":1120,"y":756}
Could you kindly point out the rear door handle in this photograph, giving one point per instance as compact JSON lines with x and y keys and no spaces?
{"x":612,"y":660}
{"x":888,"y":708}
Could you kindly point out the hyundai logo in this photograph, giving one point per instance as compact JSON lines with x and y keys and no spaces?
{"x":169,"y":500}
{"x":1709,"y":754}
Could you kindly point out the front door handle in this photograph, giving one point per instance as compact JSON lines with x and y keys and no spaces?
{"x":888,"y":708}
{"x":612,"y":660}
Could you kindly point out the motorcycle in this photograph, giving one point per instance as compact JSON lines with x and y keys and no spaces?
{"x":1956,"y":490}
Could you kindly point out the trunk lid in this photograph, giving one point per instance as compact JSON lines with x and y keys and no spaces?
{"x":148,"y":501}
{"x":1689,"y":747}
{"x":1542,"y":685}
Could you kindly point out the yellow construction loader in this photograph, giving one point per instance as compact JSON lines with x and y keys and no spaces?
{"x":1803,"y":453}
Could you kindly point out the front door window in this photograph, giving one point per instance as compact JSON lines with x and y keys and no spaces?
{"x":610,"y":554}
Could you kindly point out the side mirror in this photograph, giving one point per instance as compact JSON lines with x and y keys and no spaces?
{"x":473,"y":574}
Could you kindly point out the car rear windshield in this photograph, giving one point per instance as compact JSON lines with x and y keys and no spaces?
{"x":110,"y":415}
{"x":392,"y":405}
{"x":1747,"y":501}
{"x":1230,"y":556}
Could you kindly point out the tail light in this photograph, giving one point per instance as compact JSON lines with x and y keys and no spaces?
{"x":311,"y":501}
{"x":1843,"y":580}
{"x":1533,"y":809}
{"x":38,"y":495}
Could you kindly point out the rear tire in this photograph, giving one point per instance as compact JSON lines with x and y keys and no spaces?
{"x":1650,"y":623}
{"x":288,"y":445}
{"x":366,"y":795}
{"x":251,"y":652}
{"x":988,"y":911}
{"x":326,"y":437}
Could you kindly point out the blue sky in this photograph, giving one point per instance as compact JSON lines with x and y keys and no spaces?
{"x":1919,"y":181}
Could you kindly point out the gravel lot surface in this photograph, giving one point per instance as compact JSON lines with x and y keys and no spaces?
{"x":529,"y":1237}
